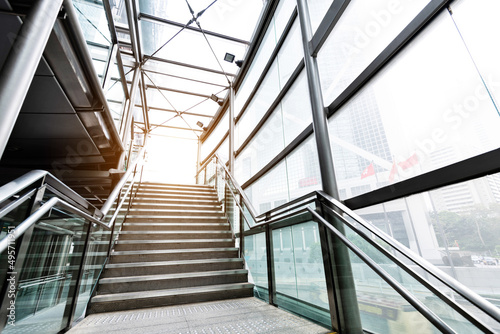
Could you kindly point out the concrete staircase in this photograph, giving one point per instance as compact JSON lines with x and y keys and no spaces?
{"x":175,"y":247}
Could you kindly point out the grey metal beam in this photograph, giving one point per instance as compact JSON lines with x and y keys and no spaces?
{"x":21,"y":63}
{"x":163,"y":60}
{"x":177,"y":91}
{"x":170,"y":127}
{"x":469,"y":169}
{"x":130,"y":110}
{"x":156,"y":19}
{"x":133,"y":30}
{"x":331,"y":18}
{"x":349,"y":317}
{"x":144,"y":98}
{"x":231,"y":129}
{"x":173,"y":111}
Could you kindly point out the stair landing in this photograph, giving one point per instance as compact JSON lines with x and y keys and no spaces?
{"x":245,"y":315}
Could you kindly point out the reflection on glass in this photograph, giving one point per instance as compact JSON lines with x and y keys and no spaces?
{"x":453,"y":229}
{"x":299,"y":270}
{"x":363,"y":31}
{"x":256,"y":262}
{"x":387,"y":132}
{"x":49,"y":273}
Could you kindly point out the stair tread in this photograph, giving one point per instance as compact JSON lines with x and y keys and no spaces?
{"x":169,"y":263}
{"x":174,"y":251}
{"x":126,"y":279}
{"x":174,"y":217}
{"x":175,"y":232}
{"x":169,"y":292}
{"x":170,"y":241}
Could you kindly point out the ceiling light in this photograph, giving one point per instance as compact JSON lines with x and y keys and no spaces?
{"x":214,"y":97}
{"x":200,"y":124}
{"x":229,"y":57}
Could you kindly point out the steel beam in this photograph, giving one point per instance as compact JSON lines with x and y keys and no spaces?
{"x":349,"y":317}
{"x":231,"y":129}
{"x":21,"y":63}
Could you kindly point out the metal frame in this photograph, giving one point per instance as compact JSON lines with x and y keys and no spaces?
{"x":156,"y":19}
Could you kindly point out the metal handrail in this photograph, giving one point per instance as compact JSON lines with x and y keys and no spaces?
{"x":114,"y":194}
{"x":13,"y":187}
{"x":466,"y":314}
{"x":266,"y":219}
{"x":38,"y":214}
{"x":417,"y":304}
{"x":444,"y":278}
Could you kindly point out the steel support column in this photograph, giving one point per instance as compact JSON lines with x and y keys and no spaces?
{"x":349,"y":321}
{"x":21,"y":63}
{"x":231,"y":129}
{"x":128,"y":117}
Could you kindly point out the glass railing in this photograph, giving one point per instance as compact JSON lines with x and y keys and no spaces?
{"x":318,"y":259}
{"x":53,"y":247}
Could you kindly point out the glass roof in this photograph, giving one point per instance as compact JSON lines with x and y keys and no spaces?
{"x":184,"y":65}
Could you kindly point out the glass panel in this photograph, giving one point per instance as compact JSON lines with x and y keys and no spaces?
{"x":256,"y":261}
{"x":453,"y":229}
{"x":387,"y":132}
{"x":196,"y":52}
{"x":266,"y":144}
{"x":216,"y":136}
{"x":317,"y":10}
{"x":264,"y":97}
{"x":47,"y":279}
{"x":441,"y":308}
{"x":303,"y":169}
{"x":234,"y":18}
{"x":475,"y":19}
{"x":270,"y":190}
{"x":296,"y":106}
{"x":261,"y":58}
{"x":299,"y":271}
{"x":291,"y":53}
{"x":363,"y":31}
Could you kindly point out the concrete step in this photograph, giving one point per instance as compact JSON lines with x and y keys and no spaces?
{"x":173,"y":255}
{"x":170,"y":212}
{"x":127,"y":226}
{"x":171,"y":185}
{"x":174,"y":206}
{"x":170,"y":267}
{"x":139,"y":200}
{"x":125,"y":245}
{"x":174,"y":235}
{"x":177,"y":190}
{"x":155,"y":298}
{"x":174,"y":219}
{"x":168,"y":195}
{"x":171,"y":281}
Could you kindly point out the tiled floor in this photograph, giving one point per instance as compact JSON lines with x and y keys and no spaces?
{"x":246,"y":315}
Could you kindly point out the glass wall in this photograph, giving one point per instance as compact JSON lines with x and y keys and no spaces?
{"x":431,"y":103}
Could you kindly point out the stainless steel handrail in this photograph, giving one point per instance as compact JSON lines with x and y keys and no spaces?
{"x":12,"y":188}
{"x":417,"y":304}
{"x":444,"y":278}
{"x":38,"y":214}
{"x":116,"y":191}
{"x":267,"y":218}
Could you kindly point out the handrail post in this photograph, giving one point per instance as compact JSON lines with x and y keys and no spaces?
{"x":271,"y":278}
{"x":21,"y":63}
{"x":350,"y":321}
